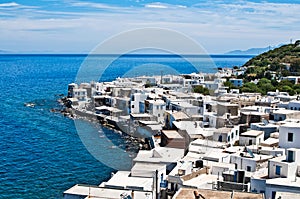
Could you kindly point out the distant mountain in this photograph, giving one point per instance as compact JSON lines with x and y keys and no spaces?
{"x":252,"y":51}
{"x":4,"y":52}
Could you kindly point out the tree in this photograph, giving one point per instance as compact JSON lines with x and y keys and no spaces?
{"x":250,"y":87}
{"x":288,"y":89}
{"x":285,"y":82}
{"x":268,"y":75}
{"x":229,"y":84}
{"x":201,"y":89}
{"x":265,"y":85}
{"x":295,"y":65}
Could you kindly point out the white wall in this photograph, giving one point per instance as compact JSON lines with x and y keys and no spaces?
{"x":158,"y":111}
{"x":287,"y":170}
{"x":255,"y":140}
{"x":135,"y":104}
{"x":233,"y":134}
{"x":243,"y":162}
{"x":283,"y":136}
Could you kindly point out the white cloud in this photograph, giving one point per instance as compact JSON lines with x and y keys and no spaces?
{"x":14,"y":6}
{"x":220,"y":27}
{"x":156,"y":5}
{"x":94,"y":5}
{"x":160,"y":5}
{"x":11,"y":4}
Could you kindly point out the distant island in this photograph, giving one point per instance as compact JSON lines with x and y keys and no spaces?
{"x":252,"y":51}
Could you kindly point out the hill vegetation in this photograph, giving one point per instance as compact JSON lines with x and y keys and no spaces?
{"x":267,"y":70}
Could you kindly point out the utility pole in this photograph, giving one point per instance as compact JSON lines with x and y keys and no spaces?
{"x":156,"y":184}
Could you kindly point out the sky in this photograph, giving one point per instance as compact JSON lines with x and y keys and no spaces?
{"x":78,"y":26}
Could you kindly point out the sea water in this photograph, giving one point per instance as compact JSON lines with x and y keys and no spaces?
{"x":41,"y":154}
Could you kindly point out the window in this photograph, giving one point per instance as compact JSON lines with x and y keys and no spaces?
{"x":250,"y":142}
{"x":236,"y":132}
{"x":290,"y":157}
{"x":132,"y":106}
{"x":290,"y":137}
{"x":273,"y":194}
{"x":232,"y":135}
{"x":248,"y":168}
{"x":228,"y":138}
{"x":277,"y":169}
{"x":220,"y":138}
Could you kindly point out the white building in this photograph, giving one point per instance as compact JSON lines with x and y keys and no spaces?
{"x":283,"y":114}
{"x":249,"y":162}
{"x":295,"y":79}
{"x":193,"y":79}
{"x":80,"y":94}
{"x":289,"y":135}
{"x":251,"y":137}
{"x":268,"y":128}
{"x":136,"y":98}
{"x":279,"y":168}
{"x":227,"y":135}
{"x":294,"y":105}
{"x":181,"y":105}
{"x":156,"y":108}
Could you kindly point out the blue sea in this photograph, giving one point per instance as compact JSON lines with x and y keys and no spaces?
{"x":41,"y":154}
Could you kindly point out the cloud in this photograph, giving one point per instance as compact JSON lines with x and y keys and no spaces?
{"x":15,"y":6}
{"x":218,"y":25}
{"x":160,"y":5}
{"x":11,"y":4}
{"x":156,"y":5}
{"x":93,"y":5}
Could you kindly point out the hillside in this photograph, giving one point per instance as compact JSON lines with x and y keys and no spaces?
{"x":286,"y":57}
{"x":264,"y":72}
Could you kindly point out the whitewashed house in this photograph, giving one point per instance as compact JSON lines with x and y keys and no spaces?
{"x":252,"y":137}
{"x":156,"y":108}
{"x":249,"y":161}
{"x":289,"y":135}
{"x":135,"y":100}
{"x":294,"y":105}
{"x":227,"y":135}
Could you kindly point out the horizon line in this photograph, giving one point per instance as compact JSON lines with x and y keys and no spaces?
{"x":129,"y":55}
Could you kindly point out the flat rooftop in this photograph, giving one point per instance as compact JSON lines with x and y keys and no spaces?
{"x":179,"y":115}
{"x":252,"y":133}
{"x":123,"y":180}
{"x":100,"y":192}
{"x":284,"y":111}
{"x":172,"y":134}
{"x":160,"y":155}
{"x":185,"y":193}
{"x":291,"y":124}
